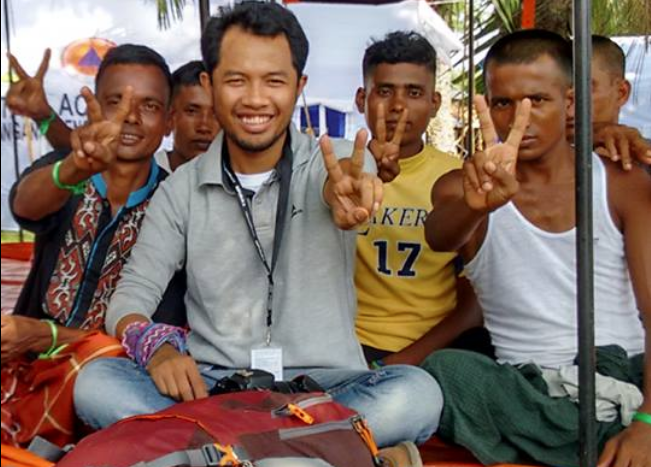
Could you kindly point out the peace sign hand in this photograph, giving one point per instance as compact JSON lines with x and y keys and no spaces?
{"x":387,"y":153}
{"x":27,"y":97}
{"x":353,"y":195}
{"x":489,"y":176}
{"x":94,"y":146}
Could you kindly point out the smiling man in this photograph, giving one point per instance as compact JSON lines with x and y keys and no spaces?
{"x":264,"y":224}
{"x":511,"y":215}
{"x":86,"y":207}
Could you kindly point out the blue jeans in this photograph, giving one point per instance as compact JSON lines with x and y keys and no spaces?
{"x":400,"y":402}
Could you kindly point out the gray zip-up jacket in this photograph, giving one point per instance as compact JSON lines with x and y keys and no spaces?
{"x":194,"y":220}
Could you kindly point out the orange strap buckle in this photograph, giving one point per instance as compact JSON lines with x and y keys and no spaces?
{"x":300,"y":413}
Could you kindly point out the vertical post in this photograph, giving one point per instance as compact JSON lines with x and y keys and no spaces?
{"x":528,"y":14}
{"x":14,"y":122}
{"x":584,"y":243}
{"x":204,"y":13}
{"x":471,"y":75}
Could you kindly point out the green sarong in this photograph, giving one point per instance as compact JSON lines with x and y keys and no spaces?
{"x":503,"y":414}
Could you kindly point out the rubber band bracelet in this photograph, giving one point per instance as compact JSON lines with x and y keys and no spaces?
{"x":54,"y":331}
{"x":77,"y":189}
{"x":44,"y":125}
{"x":642,"y":417}
{"x":53,"y":350}
{"x":377,"y":364}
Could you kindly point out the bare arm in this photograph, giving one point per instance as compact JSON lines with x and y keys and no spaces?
{"x":466,"y":315}
{"x":37,"y":195}
{"x":58,"y":133}
{"x":636,"y":220}
{"x":452,"y":223}
{"x":21,"y":335}
{"x":630,"y":199}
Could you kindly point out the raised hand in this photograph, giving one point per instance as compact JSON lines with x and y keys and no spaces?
{"x":621,"y":143}
{"x":26,"y":97}
{"x":94,"y":146}
{"x":489,"y":176}
{"x":387,"y":153}
{"x":353,"y":195}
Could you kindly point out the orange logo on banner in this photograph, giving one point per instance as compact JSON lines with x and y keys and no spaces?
{"x":84,"y":55}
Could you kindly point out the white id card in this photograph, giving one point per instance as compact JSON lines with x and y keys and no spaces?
{"x":268,"y":359}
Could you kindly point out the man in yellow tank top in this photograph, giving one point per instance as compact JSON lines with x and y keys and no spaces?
{"x":406,"y":292}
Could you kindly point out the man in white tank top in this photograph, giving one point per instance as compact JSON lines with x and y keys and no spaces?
{"x":510,"y":214}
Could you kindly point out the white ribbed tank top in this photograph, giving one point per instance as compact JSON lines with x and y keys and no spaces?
{"x":525,"y":280}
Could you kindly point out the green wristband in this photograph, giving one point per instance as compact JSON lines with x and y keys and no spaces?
{"x":44,"y":125}
{"x":55,"y":338}
{"x":642,"y":417}
{"x":77,"y":189}
{"x":53,"y":350}
{"x":377,"y":364}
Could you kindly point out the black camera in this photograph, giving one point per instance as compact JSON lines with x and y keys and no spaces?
{"x":249,"y":380}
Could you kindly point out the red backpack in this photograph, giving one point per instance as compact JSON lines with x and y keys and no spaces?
{"x":234,"y":430}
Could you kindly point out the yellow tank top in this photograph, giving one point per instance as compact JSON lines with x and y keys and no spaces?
{"x":403,"y":287}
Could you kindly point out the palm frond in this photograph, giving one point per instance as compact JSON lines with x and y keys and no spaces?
{"x":168,"y":11}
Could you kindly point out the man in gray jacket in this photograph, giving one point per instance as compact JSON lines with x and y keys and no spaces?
{"x":264,"y":223}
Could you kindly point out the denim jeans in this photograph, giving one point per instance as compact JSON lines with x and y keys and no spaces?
{"x":400,"y":402}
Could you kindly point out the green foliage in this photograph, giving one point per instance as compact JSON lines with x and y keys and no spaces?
{"x":496,"y":17}
{"x":168,"y":11}
{"x":621,"y":17}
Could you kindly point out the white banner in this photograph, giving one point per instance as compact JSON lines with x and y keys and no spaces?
{"x":78,"y":32}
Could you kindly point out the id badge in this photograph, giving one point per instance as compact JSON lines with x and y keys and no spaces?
{"x":268,"y":359}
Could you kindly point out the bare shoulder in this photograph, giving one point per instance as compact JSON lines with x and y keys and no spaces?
{"x":629,"y":191}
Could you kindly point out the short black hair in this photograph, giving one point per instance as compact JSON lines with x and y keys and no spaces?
{"x":527,"y":46}
{"x":259,"y":18}
{"x":611,"y":53}
{"x":399,"y":47}
{"x":133,"y":54}
{"x":187,"y":75}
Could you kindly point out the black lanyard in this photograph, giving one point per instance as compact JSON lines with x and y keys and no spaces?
{"x":284,"y":173}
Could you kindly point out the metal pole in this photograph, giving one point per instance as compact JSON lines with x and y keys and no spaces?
{"x":14,"y":123}
{"x":584,"y":244}
{"x":471,"y":75}
{"x":204,"y":13}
